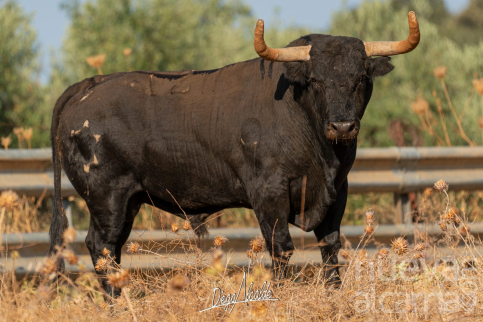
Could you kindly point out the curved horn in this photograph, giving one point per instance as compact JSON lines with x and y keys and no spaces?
{"x":388,"y":48}
{"x":278,"y":54}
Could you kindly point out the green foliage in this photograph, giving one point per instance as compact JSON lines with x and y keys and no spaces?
{"x":20,"y":94}
{"x":413,"y":75}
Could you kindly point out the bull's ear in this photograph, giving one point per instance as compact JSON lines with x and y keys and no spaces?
{"x":381,"y":66}
{"x":298,"y":71}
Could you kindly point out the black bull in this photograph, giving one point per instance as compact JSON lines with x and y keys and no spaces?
{"x":244,"y":135}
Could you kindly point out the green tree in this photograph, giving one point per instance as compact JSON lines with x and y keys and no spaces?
{"x":20,"y":94}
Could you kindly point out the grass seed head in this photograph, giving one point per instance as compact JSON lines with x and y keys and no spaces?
{"x":256,"y":245}
{"x":179,"y":282}
{"x":102,"y":264}
{"x":187,"y":225}
{"x":399,"y":246}
{"x":69,"y":256}
{"x":133,"y":248}
{"x":69,"y":235}
{"x":220,"y":240}
{"x":9,"y":200}
{"x":118,"y":279}
{"x":441,"y":185}
{"x":440,"y":72}
{"x":174,"y":228}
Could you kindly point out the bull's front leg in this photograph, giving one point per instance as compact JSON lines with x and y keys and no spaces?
{"x":328,"y":235}
{"x":272,"y":209}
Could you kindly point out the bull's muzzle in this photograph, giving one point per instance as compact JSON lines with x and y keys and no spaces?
{"x":345,"y":130}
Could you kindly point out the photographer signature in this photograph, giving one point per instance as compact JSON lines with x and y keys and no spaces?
{"x":228,"y":301}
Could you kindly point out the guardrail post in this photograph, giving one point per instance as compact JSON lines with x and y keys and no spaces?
{"x":68,"y":210}
{"x":403,"y":207}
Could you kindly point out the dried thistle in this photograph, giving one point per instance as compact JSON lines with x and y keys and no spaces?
{"x":464,"y":230}
{"x":428,"y":192}
{"x":9,"y":200}
{"x":179,"y":282}
{"x":382,"y":253}
{"x":345,"y":254}
{"x":6,"y":142}
{"x":369,"y":229}
{"x":251,"y":255}
{"x":27,"y":135}
{"x":133,"y":248}
{"x":96,"y":61}
{"x":49,"y":266}
{"x":256,"y":245}
{"x":127,"y":51}
{"x":106,"y":252}
{"x":420,"y":106}
{"x":420,"y":247}
{"x":220,"y":240}
{"x":418,"y":255}
{"x":102,"y":264}
{"x":440,"y":72}
{"x":18,"y":131}
{"x":174,"y":228}
{"x":69,"y":235}
{"x":440,"y":185}
{"x":399,"y":246}
{"x":187,"y":225}
{"x":443,"y":225}
{"x":370,"y":217}
{"x":69,"y":256}
{"x":118,"y":279}
{"x":478,"y":84}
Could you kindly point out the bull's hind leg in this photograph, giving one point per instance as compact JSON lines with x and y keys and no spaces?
{"x":272,"y":209}
{"x":328,"y":235}
{"x":110,"y":225}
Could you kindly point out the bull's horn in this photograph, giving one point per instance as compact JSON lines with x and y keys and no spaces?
{"x":278,"y":54}
{"x":388,"y":48}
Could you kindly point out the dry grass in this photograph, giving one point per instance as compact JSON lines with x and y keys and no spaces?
{"x":426,"y":280}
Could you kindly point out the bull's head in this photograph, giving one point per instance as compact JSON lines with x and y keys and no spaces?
{"x":339,"y":71}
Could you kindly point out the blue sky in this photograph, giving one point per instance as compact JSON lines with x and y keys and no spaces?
{"x":51,"y":22}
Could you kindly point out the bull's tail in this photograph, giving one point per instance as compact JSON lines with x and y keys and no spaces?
{"x":59,"y":221}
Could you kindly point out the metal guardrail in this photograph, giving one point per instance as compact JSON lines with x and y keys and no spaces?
{"x":396,"y":170}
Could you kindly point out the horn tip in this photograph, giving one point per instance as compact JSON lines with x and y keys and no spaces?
{"x":259,"y":22}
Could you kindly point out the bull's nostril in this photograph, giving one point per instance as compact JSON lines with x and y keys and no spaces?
{"x":352,"y":128}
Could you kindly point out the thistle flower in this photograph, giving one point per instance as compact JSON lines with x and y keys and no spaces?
{"x":27,"y":135}
{"x":106,"y":252}
{"x":478,"y":84}
{"x":256,"y":245}
{"x":127,"y":51}
{"x":440,"y":72}
{"x":220,"y":240}
{"x":428,"y":192}
{"x":70,"y":257}
{"x":382,"y":253}
{"x":118,"y":279}
{"x":440,"y":185}
{"x":179,"y":282}
{"x":464,"y":230}
{"x":133,"y":248}
{"x":399,"y":246}
{"x":420,"y":247}
{"x":370,"y":217}
{"x":174,"y":228}
{"x":101,"y":264}
{"x":187,"y":225}
{"x":6,"y":142}
{"x":420,"y":106}
{"x":49,"y":266}
{"x":69,"y":235}
{"x":9,"y":200}
{"x":369,"y":229}
{"x":345,"y":254}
